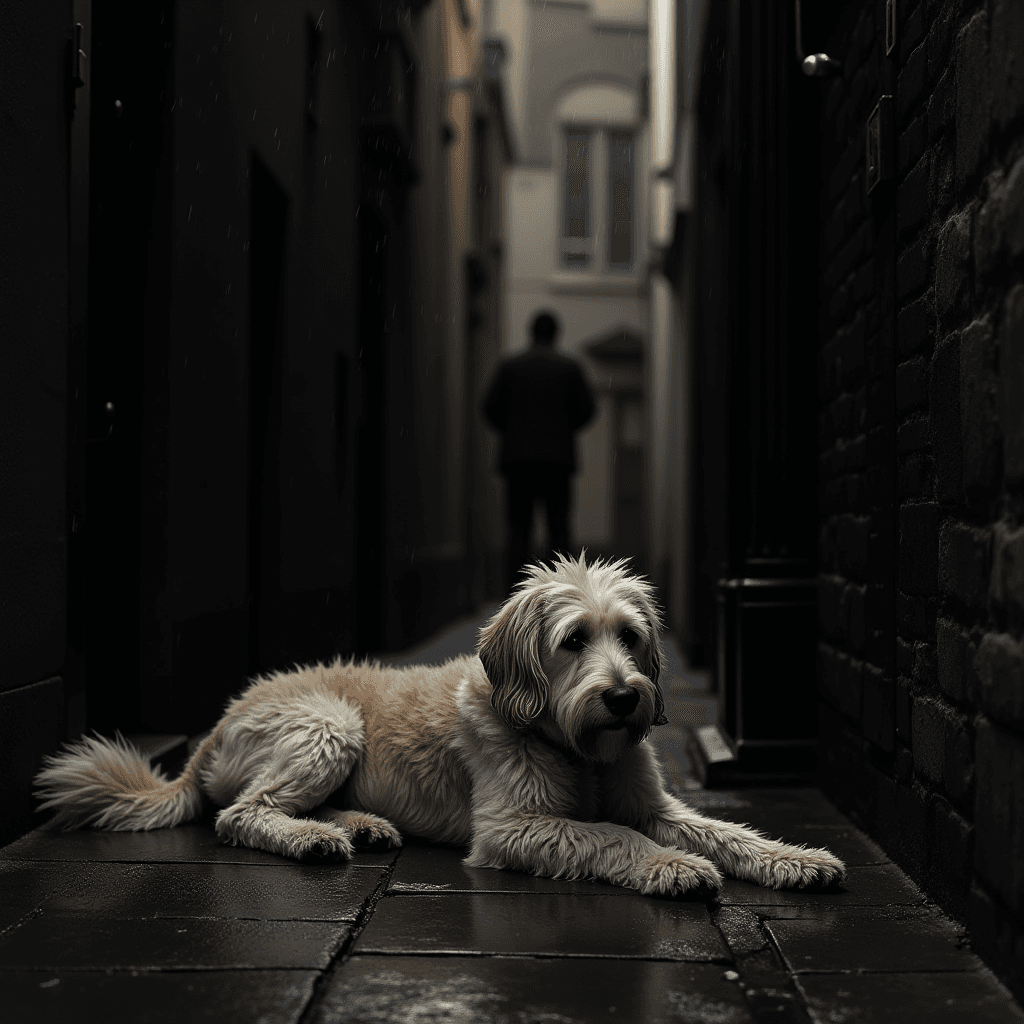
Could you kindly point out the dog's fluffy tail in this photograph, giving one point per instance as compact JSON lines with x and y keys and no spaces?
{"x":109,"y":784}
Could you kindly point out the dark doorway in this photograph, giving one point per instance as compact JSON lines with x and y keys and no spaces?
{"x":370,"y":450}
{"x":267,"y":239}
{"x":131,"y":74}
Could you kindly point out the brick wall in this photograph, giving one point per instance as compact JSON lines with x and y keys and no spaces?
{"x":921,"y":441}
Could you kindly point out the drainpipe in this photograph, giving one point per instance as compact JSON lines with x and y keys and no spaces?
{"x":659,"y":364}
{"x":663,"y":109}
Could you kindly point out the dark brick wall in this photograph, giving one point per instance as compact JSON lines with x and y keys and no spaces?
{"x":921,"y":444}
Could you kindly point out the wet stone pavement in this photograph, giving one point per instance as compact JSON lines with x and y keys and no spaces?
{"x":173,"y":926}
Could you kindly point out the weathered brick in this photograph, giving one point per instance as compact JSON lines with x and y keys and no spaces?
{"x":944,"y":402}
{"x":943,"y":175}
{"x":979,"y":411}
{"x":904,"y":764}
{"x":955,"y":656}
{"x":918,"y":548}
{"x":910,"y":89}
{"x":855,"y":604}
{"x":929,"y":739}
{"x":878,"y":708}
{"x":840,"y":416}
{"x":914,"y":435}
{"x":953,"y":265}
{"x":940,"y":36}
{"x":903,"y":711}
{"x":830,"y":607}
{"x":1011,"y":384}
{"x":914,"y":326}
{"x":911,"y":384}
{"x":972,"y":97}
{"x":925,"y":672}
{"x":862,"y":284}
{"x":951,"y":841}
{"x":999,"y":664}
{"x":911,"y":28}
{"x":912,"y":207}
{"x":964,"y":560}
{"x":942,"y":105}
{"x":912,"y":617}
{"x":911,"y":145}
{"x":989,"y":227}
{"x":878,"y":615}
{"x":1007,"y":62}
{"x":958,"y":766}
{"x":904,"y":656}
{"x":912,"y":269}
{"x":852,"y":544}
{"x":1006,"y":585}
{"x":914,"y":477}
{"x":860,"y":409}
{"x":827,"y":556}
{"x":999,"y":813}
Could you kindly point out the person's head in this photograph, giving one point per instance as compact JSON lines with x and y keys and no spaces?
{"x":545,"y":330}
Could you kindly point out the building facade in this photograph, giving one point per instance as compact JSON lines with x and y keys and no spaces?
{"x":236,"y":350}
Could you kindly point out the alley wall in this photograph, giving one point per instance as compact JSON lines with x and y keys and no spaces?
{"x":921,"y":467}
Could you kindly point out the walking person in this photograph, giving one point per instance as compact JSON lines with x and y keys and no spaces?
{"x":538,"y":400}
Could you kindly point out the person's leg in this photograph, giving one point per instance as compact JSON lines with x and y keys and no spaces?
{"x":519,"y":489}
{"x":557,"y":481}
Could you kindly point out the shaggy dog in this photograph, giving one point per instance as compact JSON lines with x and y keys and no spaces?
{"x":533,"y":754}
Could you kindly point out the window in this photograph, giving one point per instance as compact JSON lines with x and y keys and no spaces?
{"x":578,"y":248}
{"x":599,"y":199}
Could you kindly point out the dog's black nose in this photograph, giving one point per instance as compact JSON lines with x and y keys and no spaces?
{"x":621,"y":700}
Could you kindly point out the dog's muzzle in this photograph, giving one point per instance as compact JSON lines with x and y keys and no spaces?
{"x":621,"y":700}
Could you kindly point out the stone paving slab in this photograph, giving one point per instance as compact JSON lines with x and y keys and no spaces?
{"x":942,"y":998}
{"x":543,"y":925}
{"x":425,"y":867}
{"x":192,"y":843}
{"x":861,"y":939}
{"x":294,"y":892}
{"x":81,"y":942}
{"x":158,"y":997}
{"x":874,"y":885}
{"x":504,"y":990}
{"x":25,"y":887}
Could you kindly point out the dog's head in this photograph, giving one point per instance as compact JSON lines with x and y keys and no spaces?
{"x":574,"y":654}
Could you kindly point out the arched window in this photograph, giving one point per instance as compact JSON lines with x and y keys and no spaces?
{"x":597,"y":126}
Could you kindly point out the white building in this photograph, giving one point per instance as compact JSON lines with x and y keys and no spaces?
{"x":576,"y":228}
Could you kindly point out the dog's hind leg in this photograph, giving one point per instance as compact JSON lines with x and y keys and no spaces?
{"x":366,"y":831}
{"x":311,"y":755}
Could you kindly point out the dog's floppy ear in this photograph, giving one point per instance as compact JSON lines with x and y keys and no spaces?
{"x":651,"y":660}
{"x":509,"y":648}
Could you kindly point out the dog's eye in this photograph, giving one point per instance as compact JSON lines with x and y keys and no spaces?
{"x":629,"y":638}
{"x":575,"y":641}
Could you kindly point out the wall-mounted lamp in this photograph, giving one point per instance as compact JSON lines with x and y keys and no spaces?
{"x":815,"y":65}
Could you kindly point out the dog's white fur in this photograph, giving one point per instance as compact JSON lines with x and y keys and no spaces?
{"x":516,"y":754}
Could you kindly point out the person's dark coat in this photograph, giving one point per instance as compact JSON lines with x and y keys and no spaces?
{"x":538,"y":400}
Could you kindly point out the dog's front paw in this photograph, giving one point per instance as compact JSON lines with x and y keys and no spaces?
{"x":366,"y":831}
{"x":674,"y":873}
{"x":794,"y":867}
{"x":319,"y":841}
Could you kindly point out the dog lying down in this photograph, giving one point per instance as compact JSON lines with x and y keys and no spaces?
{"x":533,"y":754}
